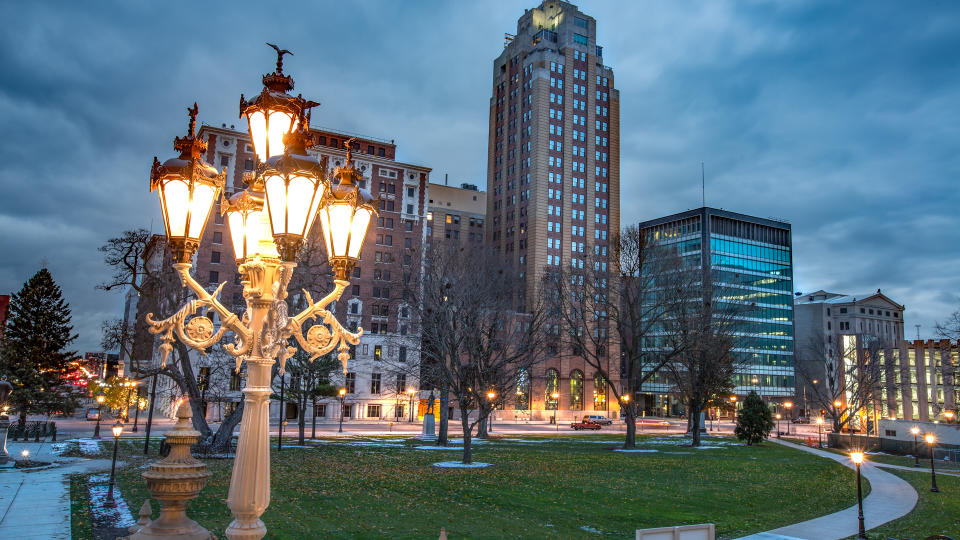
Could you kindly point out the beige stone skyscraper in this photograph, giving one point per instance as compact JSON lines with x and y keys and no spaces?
{"x":553,"y":173}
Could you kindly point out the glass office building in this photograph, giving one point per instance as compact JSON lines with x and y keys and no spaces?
{"x":750,"y":263}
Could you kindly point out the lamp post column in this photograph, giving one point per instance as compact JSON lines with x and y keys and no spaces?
{"x":249,"y":493}
{"x":862,"y":533}
{"x":933,"y":473}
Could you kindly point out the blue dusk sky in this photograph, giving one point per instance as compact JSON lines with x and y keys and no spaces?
{"x":841,"y":117}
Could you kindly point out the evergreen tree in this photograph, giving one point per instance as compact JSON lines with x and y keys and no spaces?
{"x":754,"y":421}
{"x":33,"y":353}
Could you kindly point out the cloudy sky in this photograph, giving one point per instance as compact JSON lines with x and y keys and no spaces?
{"x":843,"y":118}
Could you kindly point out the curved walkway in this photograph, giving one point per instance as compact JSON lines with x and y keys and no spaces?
{"x":890,"y":497}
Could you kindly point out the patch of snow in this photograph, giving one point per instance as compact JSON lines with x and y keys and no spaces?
{"x":438,"y":447}
{"x":59,"y":448}
{"x":117,"y":515}
{"x":90,"y":447}
{"x":635,"y":450}
{"x":531,"y":441}
{"x":590,"y":529}
{"x":459,"y":465}
{"x":707,"y":447}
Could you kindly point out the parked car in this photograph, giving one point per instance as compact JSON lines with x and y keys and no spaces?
{"x":93,"y":414}
{"x":801,"y":420}
{"x":598,"y":419}
{"x":586,"y":424}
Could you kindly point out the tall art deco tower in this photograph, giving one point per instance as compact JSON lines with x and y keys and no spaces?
{"x":553,"y":173}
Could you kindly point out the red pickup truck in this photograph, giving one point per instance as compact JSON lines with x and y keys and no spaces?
{"x":586,"y":424}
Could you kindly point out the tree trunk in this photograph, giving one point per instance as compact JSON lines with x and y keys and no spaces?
{"x":695,"y":424}
{"x":302,"y":422}
{"x":443,"y":428}
{"x":482,"y":426}
{"x":223,"y":438}
{"x":630,"y":417}
{"x":465,"y":420}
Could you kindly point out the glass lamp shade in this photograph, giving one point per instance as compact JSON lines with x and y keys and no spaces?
{"x":267,"y":129}
{"x":187,"y":186}
{"x":249,"y":227}
{"x":274,"y":113}
{"x":117,"y":429}
{"x":345,"y":215}
{"x":294,"y":186}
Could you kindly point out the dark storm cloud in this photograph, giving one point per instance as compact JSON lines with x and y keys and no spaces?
{"x":842,"y":118}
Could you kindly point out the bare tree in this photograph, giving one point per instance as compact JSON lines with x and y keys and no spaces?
{"x":478,"y":342}
{"x":596,"y":310}
{"x":842,"y":380}
{"x":702,"y":335}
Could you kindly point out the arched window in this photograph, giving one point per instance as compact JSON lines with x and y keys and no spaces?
{"x":576,"y":390}
{"x":599,"y":392}
{"x":553,"y":387}
{"x":522,"y":399}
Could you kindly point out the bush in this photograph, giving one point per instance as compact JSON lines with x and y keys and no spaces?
{"x":754,"y":421}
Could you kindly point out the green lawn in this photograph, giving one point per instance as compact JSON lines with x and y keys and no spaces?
{"x":569,"y":487}
{"x":935,"y":513}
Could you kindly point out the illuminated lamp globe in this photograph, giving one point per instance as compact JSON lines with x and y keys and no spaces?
{"x":249,"y":226}
{"x":857,"y":457}
{"x":187,"y":186}
{"x":101,"y":398}
{"x":117,"y":428}
{"x":345,"y":215}
{"x":273,"y":113}
{"x":294,"y":185}
{"x":929,"y":437}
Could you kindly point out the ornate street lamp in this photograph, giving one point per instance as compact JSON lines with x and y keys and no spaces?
{"x":789,"y":406}
{"x":857,"y":458}
{"x":100,"y":399}
{"x":556,"y":405}
{"x":931,"y":439}
{"x":268,"y":224}
{"x":188,"y":186}
{"x":117,"y":431}
{"x":342,"y":392}
{"x":411,"y":391}
{"x":819,"y":432}
{"x":491,"y":395}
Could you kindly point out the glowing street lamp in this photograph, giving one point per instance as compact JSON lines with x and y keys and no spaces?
{"x":778,"y":425}
{"x":857,"y":458}
{"x":556,"y":405}
{"x":931,"y":439}
{"x":491,"y":395}
{"x":789,"y":406}
{"x":949,"y":415}
{"x":187,"y":186}
{"x":342,"y":392}
{"x":117,"y":430}
{"x":345,"y":216}
{"x":733,"y":400}
{"x":100,"y":399}
{"x":820,"y":432}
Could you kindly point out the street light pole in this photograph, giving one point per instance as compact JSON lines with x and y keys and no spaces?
{"x":153,"y":397}
{"x":916,"y":457}
{"x":100,"y":399}
{"x":857,"y":458}
{"x":342,"y":392}
{"x":491,"y":395}
{"x":778,"y":425}
{"x":280,"y":427}
{"x":268,"y":222}
{"x":789,"y":406}
{"x":117,"y":430}
{"x":929,"y":437}
{"x":411,"y":392}
{"x":556,"y":405}
{"x":819,"y":432}
{"x":136,"y":411}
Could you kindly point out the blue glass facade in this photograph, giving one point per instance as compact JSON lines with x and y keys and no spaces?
{"x":750,"y":262}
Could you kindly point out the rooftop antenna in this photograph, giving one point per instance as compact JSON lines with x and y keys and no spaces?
{"x":703,"y":185}
{"x":918,"y":331}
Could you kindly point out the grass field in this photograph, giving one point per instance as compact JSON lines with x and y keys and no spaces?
{"x":551,"y":487}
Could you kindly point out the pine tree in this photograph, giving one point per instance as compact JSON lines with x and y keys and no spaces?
{"x":33,"y":353}
{"x":754,"y":421}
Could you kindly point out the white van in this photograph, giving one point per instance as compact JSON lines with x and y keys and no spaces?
{"x":597,"y":419}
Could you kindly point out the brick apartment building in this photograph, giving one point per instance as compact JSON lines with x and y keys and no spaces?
{"x":553,"y":178}
{"x":456,"y":213}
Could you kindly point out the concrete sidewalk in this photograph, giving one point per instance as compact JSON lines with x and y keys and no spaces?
{"x":35,"y":505}
{"x":890,"y":498}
